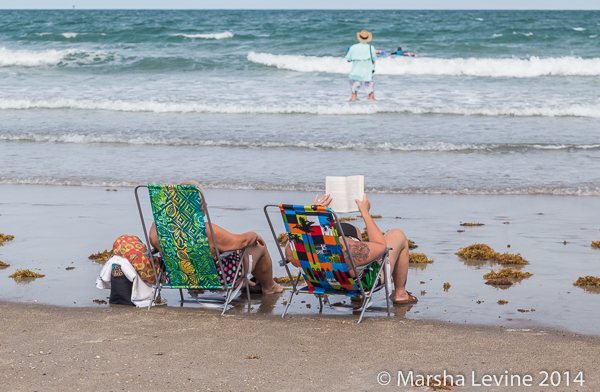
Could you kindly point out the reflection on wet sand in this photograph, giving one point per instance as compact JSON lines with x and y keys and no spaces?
{"x":418,"y":266}
{"x":591,"y":289}
{"x":477,"y":264}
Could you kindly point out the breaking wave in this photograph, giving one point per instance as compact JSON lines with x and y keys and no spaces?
{"x":32,"y":58}
{"x":491,"y":67}
{"x":226,"y":34}
{"x":592,"y":111}
{"x":50,"y":57}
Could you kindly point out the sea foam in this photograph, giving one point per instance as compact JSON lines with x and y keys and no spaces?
{"x":32,"y":58}
{"x":591,"y":110}
{"x":492,"y":67}
{"x":226,"y":34}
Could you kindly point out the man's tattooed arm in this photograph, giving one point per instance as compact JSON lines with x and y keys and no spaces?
{"x":360,"y":252}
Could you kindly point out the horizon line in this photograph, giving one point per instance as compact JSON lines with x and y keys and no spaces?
{"x":299,"y":9}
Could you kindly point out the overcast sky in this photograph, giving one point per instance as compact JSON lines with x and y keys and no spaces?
{"x":305,"y":4}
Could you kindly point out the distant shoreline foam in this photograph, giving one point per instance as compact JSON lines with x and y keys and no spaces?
{"x":576,"y":110}
{"x":76,"y":138}
{"x":517,"y":191}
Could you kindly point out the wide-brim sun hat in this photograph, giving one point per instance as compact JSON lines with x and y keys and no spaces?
{"x":364,"y":36}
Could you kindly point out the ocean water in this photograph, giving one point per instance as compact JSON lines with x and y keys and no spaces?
{"x":498,"y":102}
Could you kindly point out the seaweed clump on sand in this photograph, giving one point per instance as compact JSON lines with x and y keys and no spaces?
{"x":412,"y":245}
{"x":419,"y":258}
{"x":4,"y":265}
{"x":472,"y":224}
{"x":588,"y":281}
{"x":100,"y":257}
{"x":346,"y":219}
{"x":499,"y":282}
{"x":25,"y":273}
{"x":507,"y":273}
{"x":372,"y":216}
{"x":285,"y":280}
{"x":447,"y":286}
{"x":478,"y":252}
{"x":502,"y":302}
{"x":509,"y":258}
{"x":595,"y":244}
{"x":5,"y":238}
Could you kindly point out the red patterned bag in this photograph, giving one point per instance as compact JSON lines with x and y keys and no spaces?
{"x":131,"y":248}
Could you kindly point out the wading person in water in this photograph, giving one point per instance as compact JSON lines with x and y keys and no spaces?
{"x":362,"y":56}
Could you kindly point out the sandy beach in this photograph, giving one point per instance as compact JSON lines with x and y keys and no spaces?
{"x":47,"y":348}
{"x":57,"y":227}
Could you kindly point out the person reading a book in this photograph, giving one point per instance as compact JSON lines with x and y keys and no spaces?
{"x":363,"y":252}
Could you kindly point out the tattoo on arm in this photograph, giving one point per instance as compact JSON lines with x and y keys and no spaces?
{"x":360,"y":252}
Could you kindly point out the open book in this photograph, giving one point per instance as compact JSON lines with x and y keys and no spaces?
{"x":344,"y":190}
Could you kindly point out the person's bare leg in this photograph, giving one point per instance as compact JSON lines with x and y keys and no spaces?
{"x":353,"y":97}
{"x":372,"y":97}
{"x":398,"y":258}
{"x":262,"y":269}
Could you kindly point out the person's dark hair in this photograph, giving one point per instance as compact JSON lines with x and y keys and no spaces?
{"x":399,"y":48}
{"x":351,"y":231}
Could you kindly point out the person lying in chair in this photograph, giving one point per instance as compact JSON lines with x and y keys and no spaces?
{"x":262,"y":266}
{"x":364,"y":252}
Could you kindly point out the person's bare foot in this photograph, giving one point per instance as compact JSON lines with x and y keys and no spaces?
{"x":275,"y":289}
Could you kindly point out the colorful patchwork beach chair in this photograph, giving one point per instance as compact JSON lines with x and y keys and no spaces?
{"x":315,"y":237}
{"x":187,"y":262}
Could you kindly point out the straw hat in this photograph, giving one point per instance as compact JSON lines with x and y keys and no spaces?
{"x":364,"y":36}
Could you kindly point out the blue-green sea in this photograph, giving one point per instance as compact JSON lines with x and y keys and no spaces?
{"x":497,"y":102}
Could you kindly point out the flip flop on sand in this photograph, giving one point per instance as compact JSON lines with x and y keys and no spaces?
{"x":411,"y":300}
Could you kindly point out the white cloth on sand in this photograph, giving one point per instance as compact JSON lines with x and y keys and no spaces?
{"x":141,"y":293}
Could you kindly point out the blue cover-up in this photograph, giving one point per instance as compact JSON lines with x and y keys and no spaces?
{"x":362,"y":56}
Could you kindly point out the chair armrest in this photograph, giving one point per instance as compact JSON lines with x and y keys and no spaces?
{"x":362,"y":267}
{"x":228,"y":253}
{"x":282,"y":263}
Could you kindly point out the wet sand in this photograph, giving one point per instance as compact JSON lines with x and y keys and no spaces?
{"x":47,"y":348}
{"x":56,"y":227}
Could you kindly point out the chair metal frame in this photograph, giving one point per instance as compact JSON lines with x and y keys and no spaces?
{"x":366,"y":298}
{"x":162,"y":275}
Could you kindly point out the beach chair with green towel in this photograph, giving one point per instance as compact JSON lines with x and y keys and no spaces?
{"x":314,"y":234}
{"x":186,"y":257}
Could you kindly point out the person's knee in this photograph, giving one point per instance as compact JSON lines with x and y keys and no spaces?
{"x":396,"y":237}
{"x":259,"y":251}
{"x":396,"y":234}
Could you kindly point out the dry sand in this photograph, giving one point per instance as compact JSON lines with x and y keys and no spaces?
{"x":47,"y":348}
